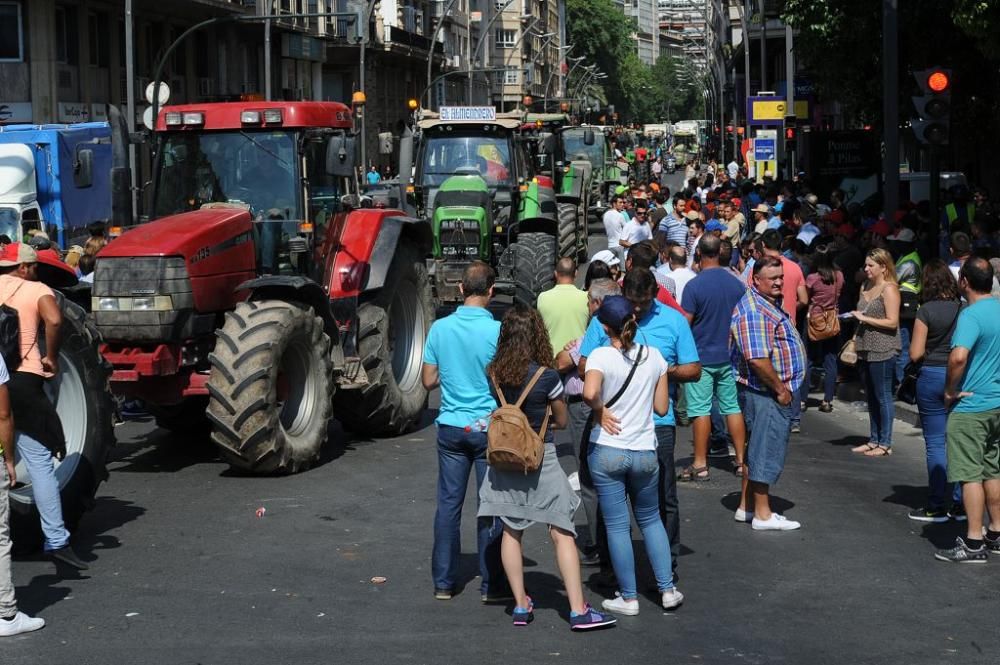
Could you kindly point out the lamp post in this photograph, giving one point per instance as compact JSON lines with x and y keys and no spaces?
{"x":474,"y":55}
{"x":434,"y":37}
{"x":545,"y":97}
{"x":513,"y":47}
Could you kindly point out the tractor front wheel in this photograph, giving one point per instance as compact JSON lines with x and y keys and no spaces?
{"x":534,"y":266}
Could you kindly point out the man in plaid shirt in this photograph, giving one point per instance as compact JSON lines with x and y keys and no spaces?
{"x":769,"y":361}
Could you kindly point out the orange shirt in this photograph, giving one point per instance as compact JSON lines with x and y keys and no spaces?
{"x":24,"y":296}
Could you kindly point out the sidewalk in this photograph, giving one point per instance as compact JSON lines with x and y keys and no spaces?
{"x":851,"y":393}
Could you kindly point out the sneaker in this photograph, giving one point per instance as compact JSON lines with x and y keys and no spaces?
{"x":574,"y":481}
{"x":961,"y":553}
{"x":21,"y":623}
{"x":936,"y":515}
{"x":502,"y":596}
{"x":590,"y":558}
{"x":796,"y":428}
{"x":524,"y":616}
{"x":825,"y":407}
{"x":671,"y":598}
{"x":720,"y":452}
{"x":590,"y":619}
{"x":443,"y":594}
{"x":745,"y":516}
{"x":957,"y":513}
{"x":992,"y":545}
{"x":775,"y":523}
{"x":805,"y":406}
{"x":66,"y":555}
{"x":619,"y":605}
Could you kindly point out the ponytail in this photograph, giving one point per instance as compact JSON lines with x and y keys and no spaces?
{"x":627,"y":334}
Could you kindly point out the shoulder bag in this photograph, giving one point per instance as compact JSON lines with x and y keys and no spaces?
{"x":849,"y":351}
{"x":907,"y":389}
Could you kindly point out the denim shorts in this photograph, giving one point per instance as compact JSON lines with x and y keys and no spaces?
{"x":715,"y":381}
{"x":768,"y":424}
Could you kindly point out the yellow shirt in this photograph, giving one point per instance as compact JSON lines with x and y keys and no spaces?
{"x":564,"y":311}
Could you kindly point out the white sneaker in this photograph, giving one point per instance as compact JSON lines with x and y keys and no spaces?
{"x":745,"y":516}
{"x":775,"y":523}
{"x":619,"y":605}
{"x":672,"y":598}
{"x":574,"y":481}
{"x":21,"y":623}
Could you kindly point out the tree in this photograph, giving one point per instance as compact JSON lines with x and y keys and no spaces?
{"x":599,"y":32}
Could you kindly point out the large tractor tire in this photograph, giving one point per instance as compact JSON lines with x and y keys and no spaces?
{"x":392,"y":330}
{"x":568,"y":220}
{"x":270,"y":388}
{"x":83,"y":401}
{"x":534,"y":266}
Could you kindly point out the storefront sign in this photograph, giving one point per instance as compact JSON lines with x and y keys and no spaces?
{"x":485,"y":113}
{"x":15,"y":112}
{"x":72,"y":112}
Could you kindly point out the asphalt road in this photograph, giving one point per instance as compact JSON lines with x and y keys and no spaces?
{"x":183,"y":571}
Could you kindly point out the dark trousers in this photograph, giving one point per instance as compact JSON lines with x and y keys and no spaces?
{"x":666,"y":437}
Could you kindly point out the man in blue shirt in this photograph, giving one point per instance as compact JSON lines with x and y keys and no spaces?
{"x":664,"y":328}
{"x":972,"y":391}
{"x":709,"y":300}
{"x":458,"y":349}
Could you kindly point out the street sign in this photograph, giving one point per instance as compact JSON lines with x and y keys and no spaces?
{"x":485,"y":113}
{"x":764,"y":150}
{"x":769,"y":110}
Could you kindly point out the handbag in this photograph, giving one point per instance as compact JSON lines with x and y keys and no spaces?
{"x":849,"y":353}
{"x":824,"y":325}
{"x":907,"y":389}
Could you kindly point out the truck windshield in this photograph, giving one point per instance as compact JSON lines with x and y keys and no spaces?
{"x":445,"y":156}
{"x":573,"y":140}
{"x":257,"y":168}
{"x":8,"y":223}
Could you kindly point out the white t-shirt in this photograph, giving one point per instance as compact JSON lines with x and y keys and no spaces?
{"x":681,"y":277}
{"x":635,"y":231}
{"x":634,"y":409}
{"x":4,"y":377}
{"x":614,"y":222}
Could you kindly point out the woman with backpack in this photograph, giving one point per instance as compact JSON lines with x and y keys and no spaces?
{"x":521,"y":375}
{"x":624,"y":384}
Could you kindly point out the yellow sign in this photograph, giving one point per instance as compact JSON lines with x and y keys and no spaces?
{"x":766,"y":110}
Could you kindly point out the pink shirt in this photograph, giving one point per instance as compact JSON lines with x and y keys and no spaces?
{"x":793,"y":280}
{"x":24,"y":296}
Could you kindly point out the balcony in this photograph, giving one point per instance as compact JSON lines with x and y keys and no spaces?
{"x":401,"y":37}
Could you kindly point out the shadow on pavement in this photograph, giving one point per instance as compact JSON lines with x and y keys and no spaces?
{"x":911,"y":496}
{"x":41,"y":592}
{"x":851,"y":441}
{"x":778,"y":504}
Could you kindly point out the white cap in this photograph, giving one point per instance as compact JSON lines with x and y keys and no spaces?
{"x":904,"y":235}
{"x":607,"y":257}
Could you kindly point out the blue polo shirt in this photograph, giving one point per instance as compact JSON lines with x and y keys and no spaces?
{"x":977,"y":331}
{"x":664,"y":328}
{"x":461,"y":346}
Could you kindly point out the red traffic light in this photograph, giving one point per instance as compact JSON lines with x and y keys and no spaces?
{"x":790,"y":133}
{"x":938,"y":81}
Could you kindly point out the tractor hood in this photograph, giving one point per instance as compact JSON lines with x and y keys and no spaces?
{"x":211,"y":240}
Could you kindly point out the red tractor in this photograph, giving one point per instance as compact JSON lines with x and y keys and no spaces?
{"x":264,"y":298}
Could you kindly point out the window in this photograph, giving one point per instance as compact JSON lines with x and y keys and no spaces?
{"x":97,"y":34}
{"x":511,"y":77}
{"x":505,"y":38}
{"x":11,"y":34}
{"x":67,"y":36}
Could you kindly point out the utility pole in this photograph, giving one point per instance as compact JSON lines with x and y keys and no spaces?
{"x":267,"y":6}
{"x":746,"y":65}
{"x":763,"y":46}
{"x":789,"y":93}
{"x":130,"y":97}
{"x":890,"y":112}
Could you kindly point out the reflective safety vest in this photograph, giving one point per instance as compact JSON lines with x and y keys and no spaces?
{"x":951,"y":211}
{"x":913,"y":282}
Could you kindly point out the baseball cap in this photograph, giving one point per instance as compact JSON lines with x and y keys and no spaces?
{"x":692,"y":215}
{"x":607,"y":257}
{"x":17,"y":253}
{"x":715,"y":225}
{"x":614,"y":311}
{"x":904,"y":235}
{"x":762,"y":207}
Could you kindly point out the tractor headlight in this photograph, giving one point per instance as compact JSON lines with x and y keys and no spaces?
{"x":139,"y":304}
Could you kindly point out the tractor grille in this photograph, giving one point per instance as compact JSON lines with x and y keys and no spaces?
{"x":121,"y":284}
{"x":460,"y":240}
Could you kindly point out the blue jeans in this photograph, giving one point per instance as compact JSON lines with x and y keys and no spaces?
{"x":905,"y":329}
{"x":933,"y":419}
{"x":45,"y":489}
{"x":826,"y":355}
{"x":881,"y":402}
{"x":768,"y":426}
{"x":458,"y":452}
{"x":621,"y":476}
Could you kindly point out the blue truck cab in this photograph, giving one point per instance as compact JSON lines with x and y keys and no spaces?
{"x":55,"y":178}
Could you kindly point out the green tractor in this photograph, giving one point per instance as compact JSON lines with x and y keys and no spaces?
{"x":473,"y":180}
{"x":589,"y":143}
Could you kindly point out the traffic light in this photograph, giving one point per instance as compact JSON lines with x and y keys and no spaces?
{"x":791,"y":134}
{"x":932,"y":123}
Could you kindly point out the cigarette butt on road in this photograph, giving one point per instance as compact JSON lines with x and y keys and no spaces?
{"x":260,"y":512}
{"x":378,"y":579}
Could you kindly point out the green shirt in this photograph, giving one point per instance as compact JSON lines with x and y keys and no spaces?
{"x":564,"y":310}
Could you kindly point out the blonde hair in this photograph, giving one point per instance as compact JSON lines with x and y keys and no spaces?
{"x":94,"y":245}
{"x":884,"y":259}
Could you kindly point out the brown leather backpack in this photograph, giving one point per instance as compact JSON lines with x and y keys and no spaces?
{"x":511,"y":443}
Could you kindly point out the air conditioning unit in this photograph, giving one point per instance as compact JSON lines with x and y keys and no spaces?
{"x":206,"y":86}
{"x":456,"y":61}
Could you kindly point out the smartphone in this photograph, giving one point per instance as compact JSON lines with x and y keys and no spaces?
{"x":845,"y":315}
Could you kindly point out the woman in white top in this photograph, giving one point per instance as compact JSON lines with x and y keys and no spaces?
{"x":622,"y":455}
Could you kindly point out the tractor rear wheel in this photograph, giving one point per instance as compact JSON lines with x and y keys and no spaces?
{"x":270,"y":387}
{"x":568,"y":241}
{"x":534,"y":265}
{"x":83,"y":402}
{"x":392,"y":330}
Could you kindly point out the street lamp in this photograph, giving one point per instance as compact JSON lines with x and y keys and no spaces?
{"x":513,"y":47}
{"x":434,"y":37}
{"x":482,"y":40}
{"x":545,"y":97}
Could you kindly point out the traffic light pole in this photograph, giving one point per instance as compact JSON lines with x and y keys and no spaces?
{"x":934,"y":172}
{"x":890,"y":109}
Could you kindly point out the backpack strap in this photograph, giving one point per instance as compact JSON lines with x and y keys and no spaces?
{"x":496,"y":386}
{"x":545,"y":424}
{"x":529,"y":386}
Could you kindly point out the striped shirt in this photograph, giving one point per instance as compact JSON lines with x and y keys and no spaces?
{"x":760,"y":329}
{"x":675,"y":228}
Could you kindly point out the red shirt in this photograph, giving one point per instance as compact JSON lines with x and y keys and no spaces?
{"x":665,"y":298}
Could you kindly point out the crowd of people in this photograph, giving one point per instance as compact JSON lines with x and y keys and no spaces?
{"x":721,"y":307}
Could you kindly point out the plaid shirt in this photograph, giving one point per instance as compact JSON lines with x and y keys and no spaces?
{"x":760,"y":329}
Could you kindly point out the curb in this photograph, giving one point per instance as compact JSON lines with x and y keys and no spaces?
{"x":850,"y":392}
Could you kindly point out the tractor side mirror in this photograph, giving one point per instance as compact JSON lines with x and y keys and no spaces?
{"x":547,"y":144}
{"x":350,"y":202}
{"x":588,"y":137}
{"x":340,"y":156}
{"x":83,"y":168}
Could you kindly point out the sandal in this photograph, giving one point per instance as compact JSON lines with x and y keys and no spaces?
{"x":879,"y":451}
{"x":694,"y":474}
{"x":864,"y":448}
{"x":739,"y":469}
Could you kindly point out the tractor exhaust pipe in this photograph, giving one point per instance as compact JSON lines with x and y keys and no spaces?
{"x":406,"y":170}
{"x":121,"y":176}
